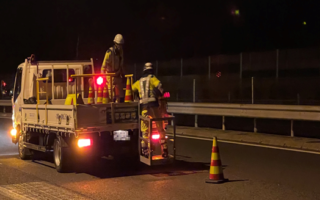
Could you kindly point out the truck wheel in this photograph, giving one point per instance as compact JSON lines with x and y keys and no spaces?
{"x":24,"y":153}
{"x":61,"y":157}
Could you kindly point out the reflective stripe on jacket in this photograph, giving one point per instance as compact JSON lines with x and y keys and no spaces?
{"x":145,"y":87}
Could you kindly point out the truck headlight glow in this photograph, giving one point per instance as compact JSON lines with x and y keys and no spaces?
{"x":13,"y":132}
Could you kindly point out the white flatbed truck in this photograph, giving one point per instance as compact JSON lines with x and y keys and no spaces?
{"x":44,"y":120}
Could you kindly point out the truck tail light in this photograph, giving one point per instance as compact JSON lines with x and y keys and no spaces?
{"x":84,"y":143}
{"x":155,"y":136}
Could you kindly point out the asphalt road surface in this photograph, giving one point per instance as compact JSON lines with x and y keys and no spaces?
{"x":254,"y":173}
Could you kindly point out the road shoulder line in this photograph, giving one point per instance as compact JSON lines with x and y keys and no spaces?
{"x":248,"y":144}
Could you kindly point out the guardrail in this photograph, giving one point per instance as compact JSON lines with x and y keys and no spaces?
{"x":5,"y":103}
{"x":287,"y":112}
{"x":3,"y":113}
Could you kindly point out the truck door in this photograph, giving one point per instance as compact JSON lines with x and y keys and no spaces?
{"x":16,"y":99}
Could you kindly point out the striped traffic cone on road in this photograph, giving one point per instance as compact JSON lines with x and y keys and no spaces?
{"x":128,"y":98}
{"x":216,"y":173}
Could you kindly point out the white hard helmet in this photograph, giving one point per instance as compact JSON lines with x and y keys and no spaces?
{"x":147,"y":66}
{"x":118,"y":39}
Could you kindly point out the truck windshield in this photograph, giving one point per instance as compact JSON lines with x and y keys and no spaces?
{"x":60,"y":75}
{"x":17,"y":85}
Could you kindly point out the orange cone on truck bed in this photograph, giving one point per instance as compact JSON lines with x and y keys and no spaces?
{"x":99,"y":98}
{"x":91,"y":94}
{"x":128,"y":98}
{"x":105,"y":98}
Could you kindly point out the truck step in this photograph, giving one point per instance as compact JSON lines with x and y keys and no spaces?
{"x":35,"y":147}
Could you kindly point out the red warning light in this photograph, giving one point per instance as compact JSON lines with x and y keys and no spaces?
{"x":70,"y":79}
{"x":218,"y":74}
{"x":99,"y":80}
{"x":166,"y":95}
{"x":4,"y":84}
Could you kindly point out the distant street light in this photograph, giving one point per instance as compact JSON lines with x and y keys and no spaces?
{"x":304,"y":23}
{"x":236,"y":12}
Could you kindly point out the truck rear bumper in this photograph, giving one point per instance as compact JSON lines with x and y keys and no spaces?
{"x":103,"y":144}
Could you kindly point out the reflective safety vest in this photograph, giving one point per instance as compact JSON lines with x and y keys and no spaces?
{"x":145,"y":87}
{"x":112,"y":61}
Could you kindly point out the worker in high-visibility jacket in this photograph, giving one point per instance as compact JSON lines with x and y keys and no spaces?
{"x":150,"y":89}
{"x":113,"y":63}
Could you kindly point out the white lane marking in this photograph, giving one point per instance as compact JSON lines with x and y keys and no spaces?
{"x":248,"y":144}
{"x":12,"y":195}
{"x":37,"y":191}
{"x":9,"y":154}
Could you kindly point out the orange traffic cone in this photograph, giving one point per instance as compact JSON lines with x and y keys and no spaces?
{"x":105,"y":98}
{"x":91,"y":94}
{"x":110,"y":90}
{"x":128,"y":98}
{"x":99,"y":99}
{"x":216,"y":173}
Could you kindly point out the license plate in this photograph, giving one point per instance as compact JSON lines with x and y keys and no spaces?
{"x":121,"y":135}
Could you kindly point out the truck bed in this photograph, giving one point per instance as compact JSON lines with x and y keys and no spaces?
{"x":81,"y":118}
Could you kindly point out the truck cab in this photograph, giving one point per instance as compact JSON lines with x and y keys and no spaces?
{"x":59,"y":85}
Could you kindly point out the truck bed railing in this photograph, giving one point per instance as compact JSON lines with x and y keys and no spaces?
{"x":66,"y":62}
{"x":38,"y":98}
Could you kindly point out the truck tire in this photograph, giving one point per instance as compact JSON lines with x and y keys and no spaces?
{"x":24,"y":153}
{"x":61,"y":157}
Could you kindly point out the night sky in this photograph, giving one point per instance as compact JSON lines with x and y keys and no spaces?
{"x":51,"y":29}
